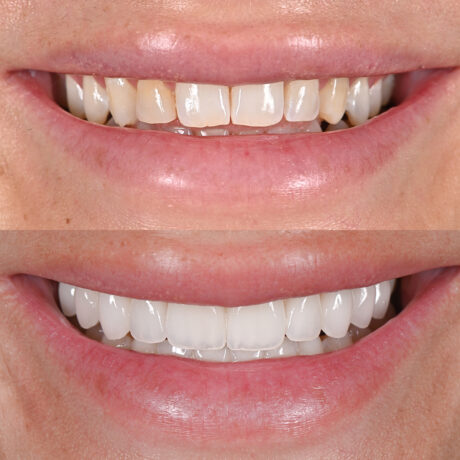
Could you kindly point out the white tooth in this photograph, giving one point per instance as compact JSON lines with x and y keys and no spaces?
{"x":333,"y":99}
{"x":202,"y":105}
{"x":388,"y":85}
{"x":122,"y":100}
{"x":301,"y":100}
{"x":340,"y":125}
{"x":223,"y":355}
{"x":198,"y":327}
{"x":286,"y":349}
{"x":358,"y":103}
{"x":245,"y":355}
{"x":256,"y":327}
{"x":87,"y":307}
{"x":310,"y":347}
{"x":212,"y":132}
{"x":74,"y":97}
{"x":155,"y":102}
{"x":363,"y":306}
{"x":333,"y":344}
{"x":257,"y":105}
{"x":303,"y":317}
{"x":336,"y":313}
{"x":143,"y":347}
{"x":95,"y":100}
{"x":165,"y":348}
{"x":147,"y":320}
{"x":67,"y":299}
{"x":382,"y":299}
{"x":375,"y":98}
{"x":379,"y":322}
{"x":124,"y":342}
{"x":114,"y":315}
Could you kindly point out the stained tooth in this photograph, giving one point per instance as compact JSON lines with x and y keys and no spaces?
{"x":333,"y":344}
{"x":363,"y":306}
{"x":74,"y":97}
{"x":358,"y":101}
{"x":310,"y":347}
{"x":95,"y":100}
{"x":87,"y":307}
{"x":256,"y":327}
{"x":257,"y":105}
{"x":375,"y":98}
{"x":155,"y":102}
{"x":147,"y":320}
{"x":122,"y":100}
{"x":340,"y":125}
{"x":286,"y":349}
{"x":143,"y":347}
{"x":336,"y":313}
{"x":303,"y":318}
{"x":333,"y":99}
{"x":67,"y":299}
{"x":382,"y":299}
{"x":301,"y":100}
{"x":223,"y":355}
{"x":114,"y":315}
{"x":245,"y":355}
{"x":196,"y":327}
{"x":388,"y":85}
{"x":202,"y":105}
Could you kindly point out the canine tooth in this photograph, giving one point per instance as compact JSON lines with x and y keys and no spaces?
{"x":143,"y":347}
{"x":74,"y":94}
{"x":388,"y":85}
{"x":363,"y":306}
{"x":114,"y":315}
{"x":358,"y":101}
{"x":336,"y":313}
{"x":223,"y":355}
{"x":382,"y":299}
{"x":257,"y":105}
{"x":202,"y":105}
{"x":301,"y":100}
{"x":87,"y":307}
{"x":67,"y":299}
{"x":246,"y":355}
{"x":147,"y":320}
{"x":122,"y":100}
{"x":375,"y":98}
{"x":198,"y":327}
{"x":303,"y":318}
{"x":286,"y":349}
{"x":310,"y":347}
{"x":335,"y":344}
{"x":333,"y":99}
{"x":256,"y":327}
{"x":125,"y":342}
{"x":95,"y":100}
{"x":155,"y":102}
{"x":340,"y":125}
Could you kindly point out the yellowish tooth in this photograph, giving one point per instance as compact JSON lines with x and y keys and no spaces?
{"x":122,"y":101}
{"x":375,"y":98}
{"x":74,"y":97}
{"x":333,"y":99}
{"x":258,"y":105}
{"x":155,"y":102}
{"x":388,"y":85}
{"x":199,"y":106}
{"x":358,"y":101}
{"x":301,"y":100}
{"x":95,"y":100}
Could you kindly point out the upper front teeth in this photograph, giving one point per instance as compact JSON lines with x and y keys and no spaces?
{"x":250,"y":328}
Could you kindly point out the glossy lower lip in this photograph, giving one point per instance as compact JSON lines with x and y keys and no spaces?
{"x":187,"y":401}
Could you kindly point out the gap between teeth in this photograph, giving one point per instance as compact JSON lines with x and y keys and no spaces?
{"x":273,"y":329}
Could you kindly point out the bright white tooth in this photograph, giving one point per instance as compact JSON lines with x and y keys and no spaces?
{"x":333,"y":344}
{"x":143,"y":347}
{"x":363,"y":306}
{"x":147,"y":320}
{"x":114,"y":315}
{"x":333,"y":99}
{"x":382,"y":299}
{"x":336,"y":313}
{"x":202,"y":105}
{"x":301,"y":100}
{"x":74,"y":97}
{"x":388,"y":85}
{"x":310,"y":347}
{"x":95,"y":100}
{"x":122,"y":100}
{"x":124,"y":342}
{"x":256,"y":327}
{"x":340,"y":125}
{"x":303,"y":316}
{"x":286,"y":349}
{"x":358,"y":103}
{"x":223,"y":355}
{"x":198,"y":327}
{"x":67,"y":299}
{"x":257,"y":105}
{"x":87,"y":307}
{"x":245,"y":355}
{"x":155,"y":102}
{"x":375,"y":98}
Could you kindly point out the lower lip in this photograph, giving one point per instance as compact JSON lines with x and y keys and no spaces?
{"x":176,"y":400}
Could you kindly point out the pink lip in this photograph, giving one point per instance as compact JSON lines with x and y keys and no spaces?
{"x":175,"y":400}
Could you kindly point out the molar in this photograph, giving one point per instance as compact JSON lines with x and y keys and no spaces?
{"x":74,"y":94}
